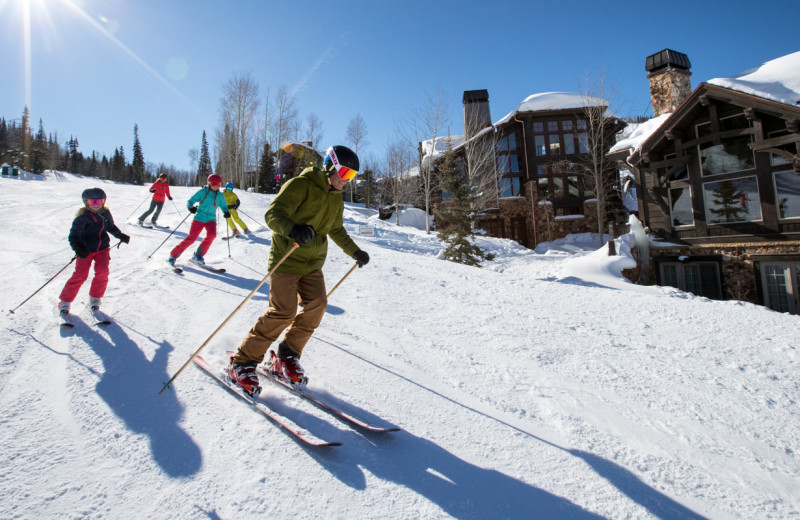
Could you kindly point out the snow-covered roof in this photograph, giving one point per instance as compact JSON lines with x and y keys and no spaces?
{"x":637,"y":133}
{"x":553,"y":101}
{"x":778,"y":80}
{"x":432,"y":149}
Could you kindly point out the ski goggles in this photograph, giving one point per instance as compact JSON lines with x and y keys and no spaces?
{"x":217,"y":184}
{"x":95,"y":202}
{"x":342,"y":171}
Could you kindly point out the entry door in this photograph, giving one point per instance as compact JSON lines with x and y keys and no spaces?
{"x":781,"y":282}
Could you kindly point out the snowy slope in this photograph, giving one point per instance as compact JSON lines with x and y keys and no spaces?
{"x":541,"y":386}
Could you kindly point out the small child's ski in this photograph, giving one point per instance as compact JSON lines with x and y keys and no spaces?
{"x":160,"y":226}
{"x":101,"y":318}
{"x":142,"y":224}
{"x":65,"y":320}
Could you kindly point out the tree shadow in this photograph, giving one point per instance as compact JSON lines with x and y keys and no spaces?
{"x":127,"y":384}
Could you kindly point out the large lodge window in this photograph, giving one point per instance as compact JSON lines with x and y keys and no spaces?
{"x":728,"y":200}
{"x":508,"y":169}
{"x":732,"y":201}
{"x":559,"y":137}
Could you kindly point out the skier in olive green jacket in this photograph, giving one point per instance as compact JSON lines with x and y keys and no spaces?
{"x":307,"y":209}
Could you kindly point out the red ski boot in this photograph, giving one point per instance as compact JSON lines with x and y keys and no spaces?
{"x":244,"y":375}
{"x":287,"y":368}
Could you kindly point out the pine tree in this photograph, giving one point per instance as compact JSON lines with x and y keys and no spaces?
{"x":204,"y":165}
{"x":729,"y":203}
{"x":457,"y":215}
{"x":137,"y":163}
{"x":266,"y":171}
{"x":39,"y":150}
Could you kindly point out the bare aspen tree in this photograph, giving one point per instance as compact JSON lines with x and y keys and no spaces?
{"x":357,"y":139}
{"x":397,"y":186}
{"x":239,"y":106}
{"x":315,"y":131}
{"x":285,"y":116}
{"x":481,"y":164}
{"x":428,"y":123}
{"x":597,"y":137}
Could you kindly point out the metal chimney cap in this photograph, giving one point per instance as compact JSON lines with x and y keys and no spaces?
{"x":475,"y":96}
{"x":667,"y":58}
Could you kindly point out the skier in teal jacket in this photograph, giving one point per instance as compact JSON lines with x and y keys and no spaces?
{"x":208,"y":199}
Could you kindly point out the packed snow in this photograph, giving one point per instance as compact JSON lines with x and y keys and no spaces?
{"x":543,"y":385}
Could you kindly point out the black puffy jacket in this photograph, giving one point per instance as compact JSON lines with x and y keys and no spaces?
{"x":90,"y":230}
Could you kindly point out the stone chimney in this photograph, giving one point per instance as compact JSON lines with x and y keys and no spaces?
{"x":476,"y":112}
{"x":668,"y":73}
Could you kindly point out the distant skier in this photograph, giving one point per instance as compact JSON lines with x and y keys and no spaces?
{"x":88,"y":237}
{"x":307,"y":209}
{"x":232,"y":200}
{"x":208,"y":199}
{"x":159,"y":189}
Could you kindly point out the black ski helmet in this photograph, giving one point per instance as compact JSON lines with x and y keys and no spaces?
{"x":338,"y":156}
{"x":93,"y":193}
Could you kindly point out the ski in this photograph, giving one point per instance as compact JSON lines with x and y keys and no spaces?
{"x":287,"y":425}
{"x":301,"y":391}
{"x":142,"y":224}
{"x":65,"y":320}
{"x":208,"y":267}
{"x":101,"y":318}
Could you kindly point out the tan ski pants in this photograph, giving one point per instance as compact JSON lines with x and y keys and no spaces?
{"x":285,"y":291}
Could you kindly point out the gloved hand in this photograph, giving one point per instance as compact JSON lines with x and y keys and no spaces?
{"x":81,"y":251}
{"x":124,"y":238}
{"x":170,"y":198}
{"x":226,"y":214}
{"x":193,"y":209}
{"x":153,"y":190}
{"x":362,"y":258}
{"x":236,"y":204}
{"x":302,"y":233}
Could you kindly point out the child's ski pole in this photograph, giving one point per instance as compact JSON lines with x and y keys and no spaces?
{"x":42,"y":287}
{"x":173,"y":231}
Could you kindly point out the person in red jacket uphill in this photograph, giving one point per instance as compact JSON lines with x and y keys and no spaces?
{"x":159,"y":189}
{"x":307,"y":209}
{"x":88,"y":237}
{"x":208,"y":199}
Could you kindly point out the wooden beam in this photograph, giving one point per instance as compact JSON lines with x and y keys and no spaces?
{"x":759,"y":146}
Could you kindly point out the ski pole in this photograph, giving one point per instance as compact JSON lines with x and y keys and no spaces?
{"x":248,"y":216}
{"x":289,"y":252}
{"x":178,"y":212}
{"x":42,"y":287}
{"x":227,"y":235}
{"x":343,"y":277}
{"x":173,"y":231}
{"x":137,"y":207}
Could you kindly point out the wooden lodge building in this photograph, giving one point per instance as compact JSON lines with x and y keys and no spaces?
{"x":535,"y":196}
{"x":718,"y":183}
{"x":717,"y":177}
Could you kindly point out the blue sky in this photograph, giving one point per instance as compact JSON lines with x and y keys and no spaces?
{"x":96,"y":68}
